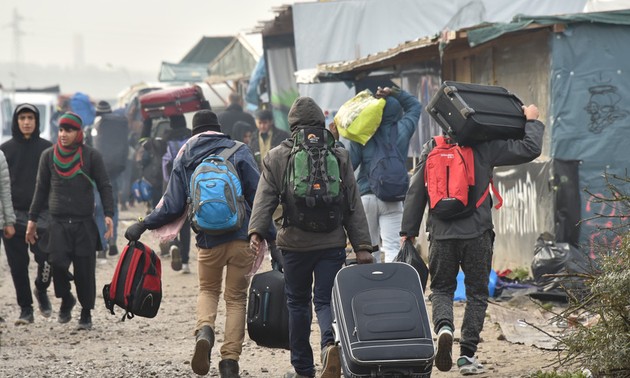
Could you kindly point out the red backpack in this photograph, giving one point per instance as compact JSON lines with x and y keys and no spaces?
{"x":449,"y":177}
{"x":137,"y":282}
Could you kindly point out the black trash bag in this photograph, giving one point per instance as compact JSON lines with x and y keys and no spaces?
{"x":553,"y":258}
{"x":408,"y":254}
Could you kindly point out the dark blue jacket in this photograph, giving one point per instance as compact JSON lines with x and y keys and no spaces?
{"x":177,"y":193}
{"x":402,"y":110}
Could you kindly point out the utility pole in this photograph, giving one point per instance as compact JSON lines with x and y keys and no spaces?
{"x":17,"y":37}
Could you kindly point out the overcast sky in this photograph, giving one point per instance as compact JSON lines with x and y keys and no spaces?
{"x":134,"y":34}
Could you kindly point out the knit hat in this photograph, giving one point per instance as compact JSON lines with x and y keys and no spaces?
{"x":205,"y":120}
{"x":70,"y":120}
{"x":103,"y":107}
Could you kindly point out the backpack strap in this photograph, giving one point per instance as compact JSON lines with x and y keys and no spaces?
{"x":227,"y":152}
{"x":496,"y":194}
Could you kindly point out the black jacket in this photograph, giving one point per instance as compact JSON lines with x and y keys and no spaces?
{"x":110,"y":139}
{"x":23,"y":159}
{"x":233,"y":114}
{"x":72,"y":198}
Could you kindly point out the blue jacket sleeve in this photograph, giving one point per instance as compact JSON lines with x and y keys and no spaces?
{"x":409,"y":122}
{"x":356,"y":154}
{"x":174,"y":200}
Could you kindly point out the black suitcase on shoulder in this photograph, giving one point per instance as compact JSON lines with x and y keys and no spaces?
{"x":381,"y":321}
{"x":474,"y":113}
{"x":267,"y":312}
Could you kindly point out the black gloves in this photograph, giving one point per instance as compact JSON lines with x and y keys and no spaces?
{"x":134,"y":231}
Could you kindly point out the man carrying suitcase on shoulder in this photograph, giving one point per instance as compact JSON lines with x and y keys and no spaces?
{"x":465,"y":242}
{"x":309,"y":255}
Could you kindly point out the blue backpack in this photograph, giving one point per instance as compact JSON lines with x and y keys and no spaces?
{"x":216,"y":195}
{"x":388,"y":177}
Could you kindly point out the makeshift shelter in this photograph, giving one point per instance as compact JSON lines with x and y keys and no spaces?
{"x":576,"y":68}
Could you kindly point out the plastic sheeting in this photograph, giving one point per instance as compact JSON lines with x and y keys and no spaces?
{"x":362,"y":27}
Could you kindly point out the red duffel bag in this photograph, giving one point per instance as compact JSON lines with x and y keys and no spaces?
{"x":171,"y":101}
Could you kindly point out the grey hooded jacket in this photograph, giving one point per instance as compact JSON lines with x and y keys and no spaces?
{"x":305,"y":112}
{"x":8,"y":215}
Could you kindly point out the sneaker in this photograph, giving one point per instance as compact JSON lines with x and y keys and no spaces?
{"x":444,"y":354}
{"x":331,"y":363}
{"x":101,"y":254}
{"x":113,"y":250}
{"x":469,"y":366}
{"x":44,"y":303}
{"x":85,"y":321}
{"x":185,"y":269}
{"x":26,"y":316}
{"x":65,"y":311}
{"x":176,"y":258}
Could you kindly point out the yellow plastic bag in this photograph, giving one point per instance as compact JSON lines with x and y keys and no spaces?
{"x":360,"y":116}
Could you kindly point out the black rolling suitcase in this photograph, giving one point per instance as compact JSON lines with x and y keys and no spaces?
{"x":474,"y":113}
{"x":267,"y":312}
{"x":381,"y":321}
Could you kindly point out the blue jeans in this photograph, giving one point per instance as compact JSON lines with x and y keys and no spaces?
{"x":299,"y":270}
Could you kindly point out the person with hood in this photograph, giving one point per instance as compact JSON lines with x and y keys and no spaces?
{"x":175,"y":138}
{"x":227,"y":253}
{"x":67,"y":173}
{"x":109,"y":137}
{"x":243,"y":131}
{"x":309,"y":257}
{"x":22,"y":154}
{"x":402,"y":111}
{"x":234,"y":113}
{"x":267,"y":136}
{"x":465,"y":242}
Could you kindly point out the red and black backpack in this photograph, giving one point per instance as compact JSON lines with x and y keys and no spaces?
{"x":137,"y":282}
{"x":449,"y":178}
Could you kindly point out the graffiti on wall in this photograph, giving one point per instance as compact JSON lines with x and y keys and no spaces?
{"x":603,"y":107}
{"x":600,"y":217}
{"x":519,"y":214}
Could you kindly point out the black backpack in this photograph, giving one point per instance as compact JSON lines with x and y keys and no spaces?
{"x":388,"y":177}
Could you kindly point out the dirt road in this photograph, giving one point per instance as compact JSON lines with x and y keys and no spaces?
{"x":162,"y":347}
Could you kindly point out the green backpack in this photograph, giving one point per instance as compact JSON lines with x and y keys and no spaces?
{"x":313,"y":191}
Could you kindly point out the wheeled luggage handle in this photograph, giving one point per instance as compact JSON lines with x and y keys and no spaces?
{"x":253,"y":308}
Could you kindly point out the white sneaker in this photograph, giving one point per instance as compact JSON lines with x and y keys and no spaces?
{"x":185,"y":269}
{"x":469,"y":366}
{"x":443,"y":356}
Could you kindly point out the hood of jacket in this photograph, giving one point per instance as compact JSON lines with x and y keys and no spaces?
{"x":392,"y":112}
{"x":305,"y":112}
{"x":15,"y":128}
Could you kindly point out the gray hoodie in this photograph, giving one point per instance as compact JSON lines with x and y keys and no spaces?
{"x":8,"y":216}
{"x":305,"y":112}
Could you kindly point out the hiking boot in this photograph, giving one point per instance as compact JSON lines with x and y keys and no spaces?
{"x":331,"y":363}
{"x":444,"y":354}
{"x":185,"y":269}
{"x":176,"y":258}
{"x":44,"y":303}
{"x":85,"y":321}
{"x":101,"y":254}
{"x":113,"y":250}
{"x":26,"y":316}
{"x":65,"y":311}
{"x":203,"y":348}
{"x":228,"y":369}
{"x":469,"y":366}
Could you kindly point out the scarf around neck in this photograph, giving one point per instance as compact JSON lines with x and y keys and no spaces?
{"x":68,"y":161}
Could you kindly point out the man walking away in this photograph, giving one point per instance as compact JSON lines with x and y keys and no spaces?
{"x":234,"y":113}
